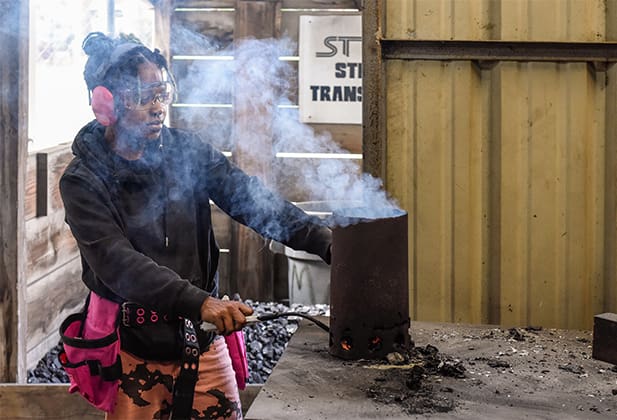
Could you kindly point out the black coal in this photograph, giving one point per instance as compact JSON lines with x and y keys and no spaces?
{"x":265,"y":343}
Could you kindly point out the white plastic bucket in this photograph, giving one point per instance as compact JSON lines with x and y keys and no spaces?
{"x":308,"y":275}
{"x":308,"y":278}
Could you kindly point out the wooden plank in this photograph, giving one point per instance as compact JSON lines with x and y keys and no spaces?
{"x":211,"y":81}
{"x":43,"y":172}
{"x":321,"y":4}
{"x":221,"y":223}
{"x":41,"y":184}
{"x":285,"y":4}
{"x":225,"y":285}
{"x":163,"y":12}
{"x":308,"y":137}
{"x":14,"y":21}
{"x":298,"y":179}
{"x":53,"y":401}
{"x":205,"y":3}
{"x":281,"y":279}
{"x":204,"y":81}
{"x":251,"y":267}
{"x":214,"y":125}
{"x":49,"y":401}
{"x":49,"y":244}
{"x":58,"y":157}
{"x":346,"y":136}
{"x":51,"y":299}
{"x":374,"y":88}
{"x":30,"y":192}
{"x":211,"y":31}
{"x":39,"y":350}
{"x":206,"y":32}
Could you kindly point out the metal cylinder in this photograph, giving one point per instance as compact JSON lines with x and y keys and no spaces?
{"x":369,"y":302}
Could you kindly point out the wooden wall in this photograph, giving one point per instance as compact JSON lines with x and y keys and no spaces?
{"x":53,"y":268}
{"x":206,"y":37}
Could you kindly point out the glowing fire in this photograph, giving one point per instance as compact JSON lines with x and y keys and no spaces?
{"x":374,"y":343}
{"x":345,"y":345}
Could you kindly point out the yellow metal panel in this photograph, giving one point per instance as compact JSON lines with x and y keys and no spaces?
{"x":469,"y":193}
{"x":439,"y":143}
{"x":438,"y":19}
{"x":552,"y":20}
{"x":513,"y":202}
{"x":513,"y":20}
{"x":507,"y":174}
{"x":540,"y":199}
{"x":552,"y":194}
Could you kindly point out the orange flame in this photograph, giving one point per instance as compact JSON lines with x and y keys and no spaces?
{"x":345,"y":345}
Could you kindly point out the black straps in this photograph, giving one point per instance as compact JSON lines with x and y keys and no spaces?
{"x":108,"y":373}
{"x":135,"y":315}
{"x":184,"y":386}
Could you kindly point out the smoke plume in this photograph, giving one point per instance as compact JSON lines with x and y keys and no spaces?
{"x":263,"y":84}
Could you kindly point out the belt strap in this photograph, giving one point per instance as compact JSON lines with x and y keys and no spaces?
{"x":135,"y":315}
{"x":184,"y":386}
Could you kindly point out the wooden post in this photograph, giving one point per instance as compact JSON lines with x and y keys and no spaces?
{"x":163,"y":9}
{"x":374,"y":88}
{"x":14,"y":17}
{"x":251,"y":260}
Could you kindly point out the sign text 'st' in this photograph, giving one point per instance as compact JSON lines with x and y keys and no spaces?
{"x":330,"y":71}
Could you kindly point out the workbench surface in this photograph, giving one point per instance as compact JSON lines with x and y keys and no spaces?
{"x":509,"y":374}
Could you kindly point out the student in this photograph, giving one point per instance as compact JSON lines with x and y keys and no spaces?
{"x":137,"y":199}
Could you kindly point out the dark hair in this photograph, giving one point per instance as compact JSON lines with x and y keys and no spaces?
{"x":114,"y":63}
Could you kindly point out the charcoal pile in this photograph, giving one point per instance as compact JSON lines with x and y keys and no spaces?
{"x":48,"y":369}
{"x":265,"y":343}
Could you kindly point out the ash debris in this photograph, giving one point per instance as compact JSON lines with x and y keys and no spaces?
{"x":411,"y":379}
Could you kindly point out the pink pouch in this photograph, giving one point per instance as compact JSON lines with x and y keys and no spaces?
{"x":91,"y":352}
{"x":237,"y":352}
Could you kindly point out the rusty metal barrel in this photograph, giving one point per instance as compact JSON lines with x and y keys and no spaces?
{"x":369,"y":302}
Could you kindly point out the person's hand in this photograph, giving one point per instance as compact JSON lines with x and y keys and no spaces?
{"x":227,"y":315}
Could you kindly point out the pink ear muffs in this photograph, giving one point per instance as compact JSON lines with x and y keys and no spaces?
{"x":103,"y":105}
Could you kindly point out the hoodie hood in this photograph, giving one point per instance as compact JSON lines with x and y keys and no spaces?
{"x":88,"y":146}
{"x":92,"y":149}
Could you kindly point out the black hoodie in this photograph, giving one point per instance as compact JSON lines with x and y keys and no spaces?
{"x":144,"y":227}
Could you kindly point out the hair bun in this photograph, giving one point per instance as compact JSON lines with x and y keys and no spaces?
{"x":97,"y":44}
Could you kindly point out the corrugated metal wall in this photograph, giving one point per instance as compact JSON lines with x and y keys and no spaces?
{"x":508,"y":172}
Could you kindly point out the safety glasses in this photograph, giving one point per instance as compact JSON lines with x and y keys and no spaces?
{"x":145,"y":96}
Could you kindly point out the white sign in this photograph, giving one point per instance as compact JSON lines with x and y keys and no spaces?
{"x":330,"y":71}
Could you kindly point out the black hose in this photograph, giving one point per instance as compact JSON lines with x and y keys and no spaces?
{"x":269,"y":317}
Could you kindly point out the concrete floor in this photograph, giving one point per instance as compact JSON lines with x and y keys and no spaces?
{"x":540,"y":374}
